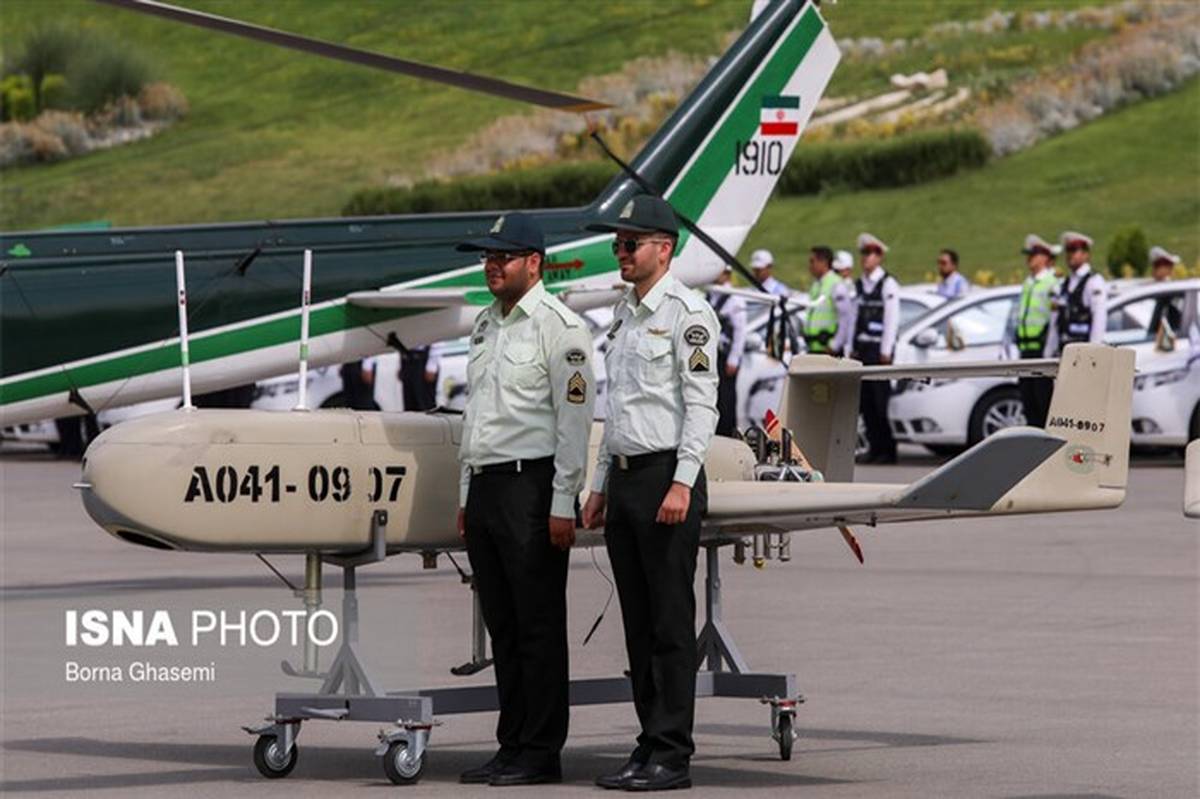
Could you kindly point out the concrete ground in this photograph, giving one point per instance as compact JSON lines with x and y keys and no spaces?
{"x":1025,"y":657}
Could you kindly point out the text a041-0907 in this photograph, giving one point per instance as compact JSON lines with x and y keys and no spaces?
{"x":228,"y":483}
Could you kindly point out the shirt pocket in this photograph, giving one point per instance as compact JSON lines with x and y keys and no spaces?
{"x":654,"y":359}
{"x":478,"y":360}
{"x":520,"y":367}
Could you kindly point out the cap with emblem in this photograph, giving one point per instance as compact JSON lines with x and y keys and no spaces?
{"x":643,"y":213}
{"x":843,"y":260}
{"x":1074,"y":239}
{"x":1161,"y":255}
{"x":866,"y":241}
{"x":1036,"y":244}
{"x":510,"y":233}
{"x":760,"y":259}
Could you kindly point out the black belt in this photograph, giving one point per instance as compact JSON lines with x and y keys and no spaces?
{"x":512,"y":467}
{"x":628,"y":463}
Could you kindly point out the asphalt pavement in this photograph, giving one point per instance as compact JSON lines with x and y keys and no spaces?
{"x":1048,"y":656}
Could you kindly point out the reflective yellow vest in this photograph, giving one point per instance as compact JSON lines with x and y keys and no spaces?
{"x":1033,"y":314}
{"x":820,"y":320}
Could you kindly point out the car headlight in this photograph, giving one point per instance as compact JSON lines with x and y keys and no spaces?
{"x":1167,"y":378}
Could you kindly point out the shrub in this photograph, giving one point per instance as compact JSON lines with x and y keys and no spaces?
{"x":1128,"y":249}
{"x":17,"y":98}
{"x":902,"y":161}
{"x":48,"y":49}
{"x":162,"y":101}
{"x":68,"y":127}
{"x":545,"y":187}
{"x":15,"y":147}
{"x":54,"y":92}
{"x":103,"y":75}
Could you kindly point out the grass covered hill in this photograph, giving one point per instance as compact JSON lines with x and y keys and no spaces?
{"x":1138,"y":166}
{"x":274,"y":134}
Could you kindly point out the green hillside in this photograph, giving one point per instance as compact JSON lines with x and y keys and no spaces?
{"x":1140,"y":165}
{"x":274,"y":133}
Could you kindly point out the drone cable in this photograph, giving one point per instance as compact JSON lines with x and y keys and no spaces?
{"x":278,"y":573}
{"x":611,"y":589}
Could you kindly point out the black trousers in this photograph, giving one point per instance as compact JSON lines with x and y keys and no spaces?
{"x":522,"y":584}
{"x":873,"y":405}
{"x":726,"y":398}
{"x":419,"y":393}
{"x":654,"y":566}
{"x":1035,"y":395}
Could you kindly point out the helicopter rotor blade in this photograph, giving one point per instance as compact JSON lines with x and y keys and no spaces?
{"x":415,"y":69}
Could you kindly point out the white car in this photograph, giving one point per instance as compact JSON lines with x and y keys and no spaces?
{"x":947,"y":415}
{"x":1166,"y":402}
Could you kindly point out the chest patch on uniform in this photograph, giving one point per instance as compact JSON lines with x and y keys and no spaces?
{"x":696,"y":335}
{"x":698,"y":362}
{"x":612,"y":331}
{"x":576,"y":357}
{"x":576,"y":389}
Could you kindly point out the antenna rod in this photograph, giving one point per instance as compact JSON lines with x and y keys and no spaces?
{"x":181,"y":287}
{"x":305,"y":297}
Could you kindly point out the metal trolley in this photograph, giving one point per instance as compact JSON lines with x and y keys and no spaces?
{"x":348,"y":693}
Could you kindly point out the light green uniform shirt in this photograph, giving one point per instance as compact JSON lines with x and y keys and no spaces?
{"x":662,"y":366}
{"x":530,"y":393}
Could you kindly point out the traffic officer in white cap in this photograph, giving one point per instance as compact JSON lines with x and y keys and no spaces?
{"x":1081,"y":303}
{"x":763,"y":263}
{"x":731,"y":314}
{"x":1168,"y":311}
{"x":1033,"y":324}
{"x":524,"y":455}
{"x":649,"y":488}
{"x":1162,"y":263}
{"x":844,"y":301}
{"x":876,"y":323}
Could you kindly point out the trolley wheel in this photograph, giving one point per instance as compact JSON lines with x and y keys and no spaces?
{"x":270,"y":760}
{"x":398,"y":768}
{"x":786,"y":736}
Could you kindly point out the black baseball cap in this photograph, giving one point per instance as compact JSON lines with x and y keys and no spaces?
{"x":644,"y":213}
{"x":513,"y":232}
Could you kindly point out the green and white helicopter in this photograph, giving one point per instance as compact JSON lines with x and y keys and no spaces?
{"x":88,"y":319}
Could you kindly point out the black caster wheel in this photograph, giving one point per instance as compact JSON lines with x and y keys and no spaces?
{"x":399,"y":768}
{"x":785,"y":737}
{"x":270,"y":760}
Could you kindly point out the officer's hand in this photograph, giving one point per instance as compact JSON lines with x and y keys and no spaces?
{"x":674,"y":507}
{"x":562,"y":532}
{"x":885,"y":359}
{"x":593,"y":511}
{"x":462,"y":523}
{"x":731,"y":370}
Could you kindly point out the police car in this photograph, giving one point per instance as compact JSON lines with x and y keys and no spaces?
{"x":947,"y":415}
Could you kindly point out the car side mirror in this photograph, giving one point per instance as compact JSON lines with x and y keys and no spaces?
{"x":926,"y":338}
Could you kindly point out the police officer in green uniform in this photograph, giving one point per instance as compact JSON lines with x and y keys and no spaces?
{"x":524,"y":455}
{"x":1033,"y":325}
{"x":821,"y":318}
{"x":649,"y":487}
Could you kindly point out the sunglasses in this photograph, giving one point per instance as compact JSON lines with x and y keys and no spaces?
{"x":870,"y":251}
{"x":943,"y":262}
{"x":630,"y":246}
{"x":1074,"y":247}
{"x":501,"y":258}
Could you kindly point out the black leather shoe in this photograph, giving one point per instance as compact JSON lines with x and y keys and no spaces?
{"x":621,"y":776}
{"x":481,"y":774}
{"x":516,"y":774}
{"x":657,"y":777}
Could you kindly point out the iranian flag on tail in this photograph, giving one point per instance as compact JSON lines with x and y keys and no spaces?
{"x":780,"y":116}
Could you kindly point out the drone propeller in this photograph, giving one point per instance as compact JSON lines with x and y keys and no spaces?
{"x":463,"y":80}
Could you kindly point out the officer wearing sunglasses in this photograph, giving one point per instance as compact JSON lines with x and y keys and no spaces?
{"x":1081,"y":303}
{"x":524,"y":454}
{"x":649,"y":487}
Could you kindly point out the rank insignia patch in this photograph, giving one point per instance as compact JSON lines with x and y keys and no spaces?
{"x":696,"y":335}
{"x":576,"y":389}
{"x":576,"y":357}
{"x":612,"y":331}
{"x":699,"y":361}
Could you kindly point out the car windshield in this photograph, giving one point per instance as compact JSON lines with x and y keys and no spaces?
{"x":1139,"y":321}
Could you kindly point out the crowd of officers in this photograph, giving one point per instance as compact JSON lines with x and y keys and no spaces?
{"x":859,"y":317}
